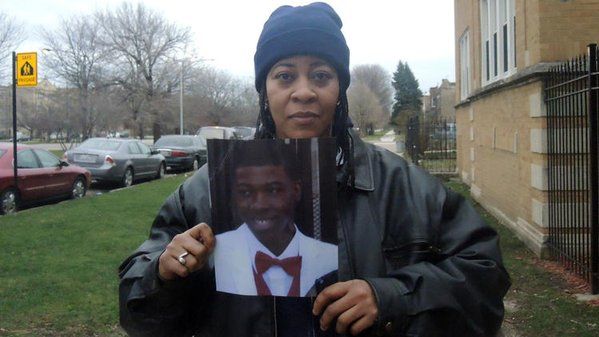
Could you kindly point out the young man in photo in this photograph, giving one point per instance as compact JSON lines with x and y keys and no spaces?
{"x":267,"y":254}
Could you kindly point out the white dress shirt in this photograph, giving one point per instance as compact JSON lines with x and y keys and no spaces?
{"x":277,"y":280}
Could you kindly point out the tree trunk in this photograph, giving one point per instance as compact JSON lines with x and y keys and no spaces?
{"x":156,"y":131}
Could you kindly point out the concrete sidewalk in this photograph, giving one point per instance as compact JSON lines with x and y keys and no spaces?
{"x":388,"y":142}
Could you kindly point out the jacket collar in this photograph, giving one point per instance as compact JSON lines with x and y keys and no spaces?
{"x":364,"y":178}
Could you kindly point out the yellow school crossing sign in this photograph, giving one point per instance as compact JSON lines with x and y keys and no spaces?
{"x":26,"y":69}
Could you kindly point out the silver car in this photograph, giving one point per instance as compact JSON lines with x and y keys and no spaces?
{"x":118,"y":160}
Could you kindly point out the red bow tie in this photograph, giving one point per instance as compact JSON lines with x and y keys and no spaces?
{"x":291,"y":265}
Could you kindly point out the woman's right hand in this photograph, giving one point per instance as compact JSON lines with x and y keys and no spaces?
{"x":197,"y":241}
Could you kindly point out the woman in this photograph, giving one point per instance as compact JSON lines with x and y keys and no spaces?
{"x":414,"y":258}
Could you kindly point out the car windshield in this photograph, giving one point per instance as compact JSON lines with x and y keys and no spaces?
{"x":101,"y":144}
{"x":174,"y":141}
{"x":211,"y":133}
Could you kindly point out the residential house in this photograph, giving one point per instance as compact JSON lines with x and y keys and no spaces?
{"x":440,"y":101}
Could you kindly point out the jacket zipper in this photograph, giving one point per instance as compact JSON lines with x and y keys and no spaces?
{"x":274,"y":313}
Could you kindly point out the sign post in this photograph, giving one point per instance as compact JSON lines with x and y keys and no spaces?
{"x":24,"y":74}
{"x":14,"y":116}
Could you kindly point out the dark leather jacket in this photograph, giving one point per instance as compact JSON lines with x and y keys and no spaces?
{"x":434,"y":266}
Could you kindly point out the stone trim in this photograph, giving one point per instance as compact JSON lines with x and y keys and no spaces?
{"x":534,"y":239}
{"x":538,"y":140}
{"x":538,"y":177}
{"x":530,"y":74}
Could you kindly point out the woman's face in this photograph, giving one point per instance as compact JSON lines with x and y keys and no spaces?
{"x":302,"y":93}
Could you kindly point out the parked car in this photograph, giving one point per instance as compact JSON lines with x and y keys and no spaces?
{"x":41,"y":176}
{"x":182,"y":151}
{"x":244,"y":132}
{"x":216,"y":132}
{"x":118,"y":160}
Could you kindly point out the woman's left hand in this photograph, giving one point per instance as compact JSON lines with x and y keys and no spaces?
{"x":352,"y":303}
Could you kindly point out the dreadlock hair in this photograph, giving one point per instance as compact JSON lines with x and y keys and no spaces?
{"x":266,"y":129}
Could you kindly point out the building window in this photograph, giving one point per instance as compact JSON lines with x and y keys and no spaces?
{"x":465,"y":65}
{"x":498,"y":32}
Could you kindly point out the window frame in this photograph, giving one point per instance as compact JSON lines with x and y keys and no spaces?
{"x":464,"y":44}
{"x":498,"y":45}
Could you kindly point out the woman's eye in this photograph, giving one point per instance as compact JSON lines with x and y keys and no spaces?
{"x":284,"y":77}
{"x":321,"y":76}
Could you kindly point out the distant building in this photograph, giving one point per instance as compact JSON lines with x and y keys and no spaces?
{"x":440,"y":101}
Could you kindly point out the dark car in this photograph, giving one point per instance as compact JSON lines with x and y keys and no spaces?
{"x":118,"y":160}
{"x":182,"y":151}
{"x":41,"y":176}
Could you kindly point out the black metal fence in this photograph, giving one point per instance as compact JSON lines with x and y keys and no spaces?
{"x":571,"y":94}
{"x":431,"y":143}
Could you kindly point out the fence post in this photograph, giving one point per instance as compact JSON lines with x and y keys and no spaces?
{"x":593,"y":94}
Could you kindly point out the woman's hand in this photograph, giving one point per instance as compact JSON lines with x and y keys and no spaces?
{"x":352,"y":303}
{"x":198,"y":242}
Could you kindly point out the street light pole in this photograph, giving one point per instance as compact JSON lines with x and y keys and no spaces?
{"x":181,"y":100}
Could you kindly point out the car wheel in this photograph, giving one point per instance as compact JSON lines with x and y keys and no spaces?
{"x":161,"y":169}
{"x":79,"y":188}
{"x":8,"y":202}
{"x":127,"y":177}
{"x":196,"y":164}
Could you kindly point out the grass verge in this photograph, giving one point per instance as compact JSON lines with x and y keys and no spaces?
{"x":58,"y":269}
{"x":58,"y":263}
{"x":540,"y":302}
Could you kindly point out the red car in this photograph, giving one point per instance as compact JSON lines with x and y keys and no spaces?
{"x":41,"y":176}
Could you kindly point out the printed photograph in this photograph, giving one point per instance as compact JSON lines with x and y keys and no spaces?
{"x":273,"y":210}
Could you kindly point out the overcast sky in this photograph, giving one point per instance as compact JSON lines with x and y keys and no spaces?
{"x":226,"y":31}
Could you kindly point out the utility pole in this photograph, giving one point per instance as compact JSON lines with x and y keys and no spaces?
{"x":181,"y":100}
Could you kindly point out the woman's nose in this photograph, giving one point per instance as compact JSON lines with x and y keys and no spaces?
{"x":303,"y":91}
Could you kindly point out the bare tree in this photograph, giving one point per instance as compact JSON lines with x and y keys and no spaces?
{"x":76,"y":56}
{"x":365,"y":109}
{"x":246,"y":104}
{"x":216,"y":91}
{"x":376,"y":78}
{"x":143,"y":42}
{"x":11,"y":34}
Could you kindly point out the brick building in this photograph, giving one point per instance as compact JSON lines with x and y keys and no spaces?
{"x":440,"y":101}
{"x":503,"y":51}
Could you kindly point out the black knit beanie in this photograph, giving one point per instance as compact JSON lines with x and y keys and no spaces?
{"x":314,"y":30}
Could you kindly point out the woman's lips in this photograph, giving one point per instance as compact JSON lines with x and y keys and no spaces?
{"x":304,"y":117}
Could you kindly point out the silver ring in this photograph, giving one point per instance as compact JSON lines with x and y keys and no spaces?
{"x":181,"y":258}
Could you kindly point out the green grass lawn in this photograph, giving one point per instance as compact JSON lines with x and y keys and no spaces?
{"x":58,"y":263}
{"x":58,"y":153}
{"x":543,"y":302}
{"x":58,"y":269}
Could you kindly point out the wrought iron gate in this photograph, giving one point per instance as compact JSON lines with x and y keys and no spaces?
{"x":571,"y":94}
